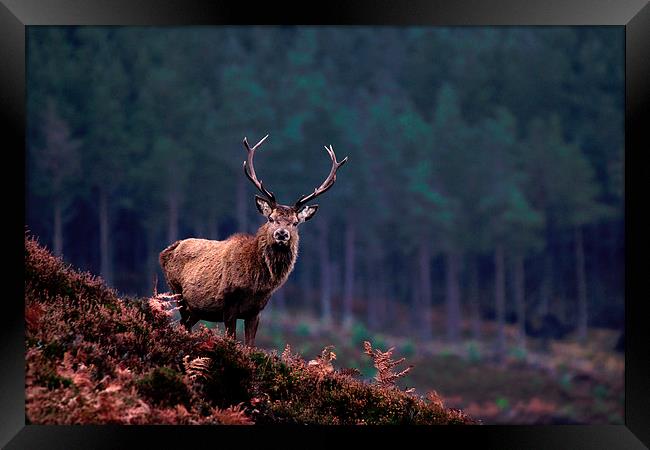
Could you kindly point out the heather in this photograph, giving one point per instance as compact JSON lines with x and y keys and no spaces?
{"x":94,"y":358}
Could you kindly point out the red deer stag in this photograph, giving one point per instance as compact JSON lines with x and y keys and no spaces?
{"x":222,"y":281}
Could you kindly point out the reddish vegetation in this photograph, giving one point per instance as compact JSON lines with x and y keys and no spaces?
{"x":94,"y":358}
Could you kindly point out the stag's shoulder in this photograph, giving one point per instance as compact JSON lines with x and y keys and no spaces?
{"x":191,"y":248}
{"x":196,"y":247}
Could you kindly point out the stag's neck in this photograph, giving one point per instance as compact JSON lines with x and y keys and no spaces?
{"x":277,"y":259}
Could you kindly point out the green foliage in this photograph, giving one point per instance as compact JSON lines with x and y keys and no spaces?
{"x":239,"y":327}
{"x":473,"y":353}
{"x":379,"y":342}
{"x":502,"y":403}
{"x":368,"y":371}
{"x":568,"y":411}
{"x":51,"y":380}
{"x":306,"y":348}
{"x":53,"y":350}
{"x":601,"y":392}
{"x":279,"y":341}
{"x":208,"y":324}
{"x":163,"y":386}
{"x":615,"y":419}
{"x":408,"y":349}
{"x":566,"y":381}
{"x":303,"y":329}
{"x":360,"y":334}
{"x":519,"y":353}
{"x":232,"y":374}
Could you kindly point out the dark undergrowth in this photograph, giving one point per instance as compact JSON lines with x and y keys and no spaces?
{"x":95,"y":358}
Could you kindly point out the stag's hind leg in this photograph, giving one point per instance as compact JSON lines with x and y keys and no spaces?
{"x":251,"y":330}
{"x":230,"y":321}
{"x":188,"y":320}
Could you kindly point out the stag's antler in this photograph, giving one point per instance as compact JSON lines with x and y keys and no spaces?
{"x":249,"y":169}
{"x":328,"y":183}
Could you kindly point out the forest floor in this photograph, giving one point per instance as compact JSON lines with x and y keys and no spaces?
{"x":557,"y":382}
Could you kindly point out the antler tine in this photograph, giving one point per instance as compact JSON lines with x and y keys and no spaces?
{"x":249,"y":169}
{"x":256,"y":145}
{"x":329,"y":181}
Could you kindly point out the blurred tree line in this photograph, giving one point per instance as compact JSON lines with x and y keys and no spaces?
{"x":485,"y":173}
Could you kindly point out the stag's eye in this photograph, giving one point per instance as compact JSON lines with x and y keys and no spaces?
{"x":271,"y":220}
{"x":295,"y":224}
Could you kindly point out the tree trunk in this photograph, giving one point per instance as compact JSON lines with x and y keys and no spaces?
{"x":581,"y":285}
{"x":152,"y":261}
{"x":306,"y":287}
{"x":547,"y":283}
{"x":453,"y":296}
{"x":58,"y":228}
{"x":106,"y":266}
{"x":213,"y":226}
{"x":390,"y":311}
{"x":371,"y":300}
{"x":520,"y":300}
{"x":325,"y":275}
{"x":382,"y":285}
{"x":242,"y":216}
{"x":424,"y":307}
{"x":500,"y":300}
{"x":335,"y":279}
{"x":173,"y":201}
{"x":348,"y":292}
{"x":279,"y":302}
{"x":415,"y":299}
{"x":373,"y":264}
{"x":373,"y":304}
{"x":475,"y":300}
{"x":199,"y":228}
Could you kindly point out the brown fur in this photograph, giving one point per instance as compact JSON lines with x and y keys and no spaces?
{"x":222,"y":281}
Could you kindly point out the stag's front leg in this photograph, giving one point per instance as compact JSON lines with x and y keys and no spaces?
{"x":187,"y":319}
{"x":251,"y":330}
{"x":189,"y":322}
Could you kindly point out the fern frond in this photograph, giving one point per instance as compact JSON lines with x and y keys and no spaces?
{"x":384,"y":364}
{"x":197,"y":369}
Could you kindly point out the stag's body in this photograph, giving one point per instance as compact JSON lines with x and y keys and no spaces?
{"x":222,"y":281}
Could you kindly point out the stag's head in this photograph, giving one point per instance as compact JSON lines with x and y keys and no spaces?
{"x":283,"y":220}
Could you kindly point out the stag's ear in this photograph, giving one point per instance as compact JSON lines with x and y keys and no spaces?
{"x":306,"y":213}
{"x":263,"y":206}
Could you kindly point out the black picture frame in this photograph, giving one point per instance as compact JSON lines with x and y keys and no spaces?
{"x":633,"y":15}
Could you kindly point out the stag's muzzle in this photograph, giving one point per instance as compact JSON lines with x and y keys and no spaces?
{"x":281,"y":235}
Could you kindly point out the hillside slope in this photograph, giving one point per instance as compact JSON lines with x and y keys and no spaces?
{"x":95,"y":358}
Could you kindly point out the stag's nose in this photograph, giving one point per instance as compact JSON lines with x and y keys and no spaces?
{"x":281,"y":235}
